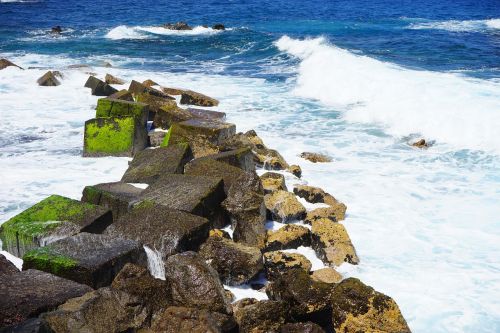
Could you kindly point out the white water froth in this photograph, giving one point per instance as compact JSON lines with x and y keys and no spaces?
{"x":140,"y":32}
{"x":459,"y":26}
{"x":155,"y":263}
{"x":444,"y":107}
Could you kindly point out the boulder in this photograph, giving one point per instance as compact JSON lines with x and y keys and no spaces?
{"x":317,"y":195}
{"x":98,"y":87}
{"x":255,"y":316}
{"x":4,"y":63}
{"x":246,"y":210}
{"x":28,"y":293}
{"x":108,"y":107}
{"x":137,"y":88}
{"x":117,"y":136}
{"x":213,"y":168}
{"x":176,"y":319}
{"x":316,"y":157}
{"x":110,"y":79}
{"x":105,"y":310}
{"x":86,"y":258}
{"x":48,"y":79}
{"x":53,"y":218}
{"x":295,"y":170}
{"x":165,"y":230}
{"x":332,"y":214}
{"x":6,"y":267}
{"x":332,"y":244}
{"x":150,"y":164}
{"x":123,"y":94}
{"x":326,"y":275}
{"x":202,"y":135}
{"x":172,"y":91}
{"x":156,"y":137}
{"x":284,"y":207}
{"x":240,"y":158}
{"x":177,"y":26}
{"x":32,"y":325}
{"x":421,"y":144}
{"x":236,"y":263}
{"x":307,"y":327}
{"x":290,"y":236}
{"x":279,"y":262}
{"x":195,"y":284}
{"x":218,"y":26}
{"x":194,"y":98}
{"x":359,"y":308}
{"x":168,"y":113}
{"x":273,"y":181}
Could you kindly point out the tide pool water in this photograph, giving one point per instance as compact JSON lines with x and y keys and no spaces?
{"x":354,"y":80}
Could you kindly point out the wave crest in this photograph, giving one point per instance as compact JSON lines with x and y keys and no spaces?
{"x":459,"y":26}
{"x":145,"y":32}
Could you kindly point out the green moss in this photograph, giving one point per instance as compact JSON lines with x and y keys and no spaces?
{"x":107,"y":107}
{"x":166,"y":139}
{"x":92,"y":195}
{"x":109,"y":135}
{"x":48,"y":260}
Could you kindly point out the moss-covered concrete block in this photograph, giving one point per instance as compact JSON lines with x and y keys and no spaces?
{"x":110,"y":107}
{"x":117,"y":136}
{"x":213,"y":168}
{"x":52,"y":218}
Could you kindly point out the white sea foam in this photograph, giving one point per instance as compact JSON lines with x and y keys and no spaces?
{"x":144,"y":32}
{"x":458,"y":26}
{"x":155,"y":263}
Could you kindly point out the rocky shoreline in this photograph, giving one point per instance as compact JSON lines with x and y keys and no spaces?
{"x":158,"y":250}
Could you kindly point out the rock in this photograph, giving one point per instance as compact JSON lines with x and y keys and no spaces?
{"x":194,"y":98}
{"x":28,"y":293}
{"x":98,"y":87}
{"x":215,"y":169}
{"x":172,"y":91}
{"x":168,"y":113}
{"x":317,"y":195}
{"x":86,"y":258}
{"x":53,"y":218}
{"x":207,"y":114}
{"x":307,"y":327}
{"x":197,"y":195}
{"x":316,"y":157}
{"x":150,"y":164}
{"x":421,"y":144}
{"x":117,"y":136}
{"x":359,"y":308}
{"x":4,"y":63}
{"x":245,"y":206}
{"x":6,"y":267}
{"x":80,"y":66}
{"x":123,"y":94}
{"x":202,"y":135}
{"x":278,"y":262}
{"x":195,"y":284}
{"x":273,"y":181}
{"x":219,"y":233}
{"x":162,"y":229}
{"x":48,"y":79}
{"x":326,"y":275}
{"x":240,"y":158}
{"x":110,"y":79}
{"x":295,"y":170}
{"x":255,"y":316}
{"x":236,"y":263}
{"x":332,"y":243}
{"x":332,"y":214}
{"x":32,"y":325}
{"x":219,"y":26}
{"x":290,"y":236}
{"x":149,"y":83}
{"x":100,"y":311}
{"x":177,"y":26}
{"x":156,"y":138}
{"x":284,"y":207}
{"x":108,"y":107}
{"x":56,"y":30}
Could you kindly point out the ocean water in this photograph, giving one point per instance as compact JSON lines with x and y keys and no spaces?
{"x":357,"y":80}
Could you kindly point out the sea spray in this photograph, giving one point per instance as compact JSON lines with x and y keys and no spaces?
{"x":155,"y":263}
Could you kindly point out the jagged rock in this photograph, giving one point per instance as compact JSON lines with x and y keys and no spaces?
{"x":308,"y":299}
{"x":273,"y":181}
{"x":283,"y":206}
{"x":162,"y":229}
{"x":195,"y":284}
{"x":53,"y":218}
{"x":213,"y":168}
{"x":137,"y":89}
{"x":32,"y":325}
{"x":98,"y":87}
{"x":150,"y":164}
{"x":4,"y":63}
{"x":110,"y":79}
{"x":86,"y":258}
{"x":332,"y":243}
{"x":326,"y":275}
{"x":245,"y":206}
{"x":421,"y":144}
{"x":240,"y":158}
{"x":28,"y":293}
{"x":308,"y":327}
{"x":6,"y":267}
{"x":197,"y":195}
{"x":295,"y":170}
{"x":156,"y":138}
{"x":117,"y":136}
{"x":108,"y":107}
{"x":123,"y":94}
{"x":316,"y":157}
{"x":177,"y":26}
{"x":236,"y":263}
{"x":255,"y":316}
{"x":48,"y":79}
{"x":202,"y":135}
{"x":317,"y":195}
{"x":359,"y":308}
{"x":194,"y":98}
{"x":219,"y":26}
{"x":278,"y":262}
{"x":290,"y":236}
{"x":105,"y":310}
{"x":332,"y":214}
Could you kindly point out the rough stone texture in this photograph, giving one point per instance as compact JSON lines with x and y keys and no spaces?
{"x":273,"y":181}
{"x":316,"y":157}
{"x":98,"y":87}
{"x":284,"y":207}
{"x":290,"y":236}
{"x":326,"y":275}
{"x":359,"y":308}
{"x":240,"y":158}
{"x":255,"y":316}
{"x":332,"y":214}
{"x":149,"y":83}
{"x":48,"y":79}
{"x":117,"y":196}
{"x":236,"y":263}
{"x":245,"y":206}
{"x":168,"y":113}
{"x":4,"y":63}
{"x":90,"y":259}
{"x":27,"y":294}
{"x":150,"y":164}
{"x":195,"y":98}
{"x":421,"y":144}
{"x":123,"y":94}
{"x":195,"y":284}
{"x":295,"y":170}
{"x":278,"y":262}
{"x":162,"y":229}
{"x":137,"y":88}
{"x":317,"y":195}
{"x":308,"y":327}
{"x":213,"y":168}
{"x":156,"y":138}
{"x":118,"y":136}
{"x":110,"y":79}
{"x":53,"y":218}
{"x":109,"y":107}
{"x":207,"y":114}
{"x":6,"y":267}
{"x":198,"y":195}
{"x":101,"y":311}
{"x":332,"y":243}
{"x":172,"y":91}
{"x":32,"y":325}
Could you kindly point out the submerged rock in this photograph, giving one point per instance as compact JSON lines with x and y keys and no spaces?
{"x":284,"y":207}
{"x":326,"y":275}
{"x":317,"y":195}
{"x":48,"y":79}
{"x":194,"y":98}
{"x":273,"y":181}
{"x":332,"y":243}
{"x":218,"y":26}
{"x":98,"y":87}
{"x":278,"y":262}
{"x":213,"y":168}
{"x":56,"y":30}
{"x":255,"y":316}
{"x":177,"y":26}
{"x":316,"y":157}
{"x":290,"y":236}
{"x":4,"y":63}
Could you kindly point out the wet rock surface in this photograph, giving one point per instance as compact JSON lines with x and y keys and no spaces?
{"x":240,"y":158}
{"x":98,"y":87}
{"x":48,"y":79}
{"x":308,"y":327}
{"x":273,"y":181}
{"x":284,"y":207}
{"x":260,"y":316}
{"x":288,"y":237}
{"x":317,"y":195}
{"x":332,"y":243}
{"x":316,"y":157}
{"x":6,"y":267}
{"x":278,"y":262}
{"x":4,"y":63}
{"x":110,"y":79}
{"x":194,"y":98}
{"x":213,"y":168}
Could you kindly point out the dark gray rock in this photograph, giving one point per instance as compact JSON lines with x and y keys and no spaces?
{"x":48,"y":79}
{"x":240,"y":158}
{"x":4,"y":63}
{"x":213,"y":168}
{"x":308,"y":327}
{"x":6,"y":267}
{"x":98,"y":87}
{"x":260,"y":316}
{"x":33,"y":325}
{"x":177,"y":26}
{"x":219,"y":26}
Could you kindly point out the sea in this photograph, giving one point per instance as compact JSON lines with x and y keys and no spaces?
{"x":356,"y":80}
